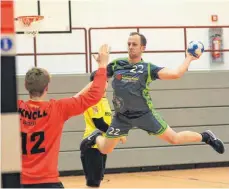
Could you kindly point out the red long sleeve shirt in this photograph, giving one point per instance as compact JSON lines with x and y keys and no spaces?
{"x":41,"y":125}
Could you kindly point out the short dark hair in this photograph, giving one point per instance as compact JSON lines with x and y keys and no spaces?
{"x":143,"y":38}
{"x":36,"y":80}
{"x":92,"y":76}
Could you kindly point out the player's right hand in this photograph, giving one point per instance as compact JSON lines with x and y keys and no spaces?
{"x":190,"y":56}
{"x":103,"y":57}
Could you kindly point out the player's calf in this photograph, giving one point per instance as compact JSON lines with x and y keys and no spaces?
{"x":183,"y":137}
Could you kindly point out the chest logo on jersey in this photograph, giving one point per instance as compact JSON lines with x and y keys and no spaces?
{"x":126,"y":78}
{"x":107,"y":113}
{"x":118,"y":76}
{"x":32,"y":114}
{"x":130,"y":74}
{"x":95,"y":109}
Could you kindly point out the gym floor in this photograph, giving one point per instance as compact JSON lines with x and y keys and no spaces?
{"x":192,"y":178}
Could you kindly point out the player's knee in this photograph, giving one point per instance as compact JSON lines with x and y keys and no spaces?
{"x":173,"y":139}
{"x":170,"y":136}
{"x":108,"y":145}
{"x":106,"y":150}
{"x":93,"y":183}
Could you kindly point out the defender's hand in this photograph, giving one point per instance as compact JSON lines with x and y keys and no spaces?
{"x":103,"y":57}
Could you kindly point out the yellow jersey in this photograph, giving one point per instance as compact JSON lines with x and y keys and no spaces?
{"x":101,"y":109}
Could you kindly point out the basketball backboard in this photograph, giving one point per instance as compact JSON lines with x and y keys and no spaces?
{"x":57,"y":14}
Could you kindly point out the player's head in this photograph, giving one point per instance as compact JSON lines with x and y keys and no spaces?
{"x":36,"y":81}
{"x":92,"y":76}
{"x":136,"y":44}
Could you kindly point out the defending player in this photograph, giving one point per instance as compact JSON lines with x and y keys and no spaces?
{"x":93,"y":161}
{"x":133,"y":104}
{"x":42,"y":123}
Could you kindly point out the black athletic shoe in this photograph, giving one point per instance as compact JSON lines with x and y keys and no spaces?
{"x":90,"y":140}
{"x":214,"y":142}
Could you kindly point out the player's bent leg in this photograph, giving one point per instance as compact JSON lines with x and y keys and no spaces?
{"x":118,"y":128}
{"x":161,"y":128}
{"x":115,"y":133}
{"x":106,"y":145}
{"x":183,"y":137}
{"x":113,"y":136}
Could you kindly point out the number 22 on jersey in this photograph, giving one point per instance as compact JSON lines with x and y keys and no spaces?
{"x":137,"y":69}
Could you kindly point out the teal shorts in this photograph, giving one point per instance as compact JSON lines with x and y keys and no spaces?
{"x":150,"y":122}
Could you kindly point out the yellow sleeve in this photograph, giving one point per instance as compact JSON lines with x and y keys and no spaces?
{"x":95,"y":111}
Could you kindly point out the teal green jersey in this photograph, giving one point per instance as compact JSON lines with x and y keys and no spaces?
{"x":131,"y":85}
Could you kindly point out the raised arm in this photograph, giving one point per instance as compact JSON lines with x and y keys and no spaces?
{"x":91,"y":94}
{"x":168,"y":74}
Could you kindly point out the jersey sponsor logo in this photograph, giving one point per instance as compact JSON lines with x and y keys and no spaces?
{"x":95,"y":109}
{"x":32,"y":114}
{"x":108,"y":114}
{"x":127,"y":78}
{"x":29,"y":123}
{"x":118,"y":76}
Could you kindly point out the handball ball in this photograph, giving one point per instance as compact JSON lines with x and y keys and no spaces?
{"x":195,"y":48}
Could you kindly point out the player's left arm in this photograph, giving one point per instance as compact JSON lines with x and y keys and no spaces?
{"x":100,"y":124}
{"x":96,"y":113}
{"x":167,"y":74}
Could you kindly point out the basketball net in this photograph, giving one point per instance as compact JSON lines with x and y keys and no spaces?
{"x":30,"y":24}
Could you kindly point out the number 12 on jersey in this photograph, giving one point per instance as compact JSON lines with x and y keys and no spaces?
{"x":36,"y":139}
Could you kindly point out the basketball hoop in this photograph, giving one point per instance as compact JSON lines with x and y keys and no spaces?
{"x":30,"y":24}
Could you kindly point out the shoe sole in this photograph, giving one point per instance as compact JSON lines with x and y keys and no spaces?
{"x":222,"y":145}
